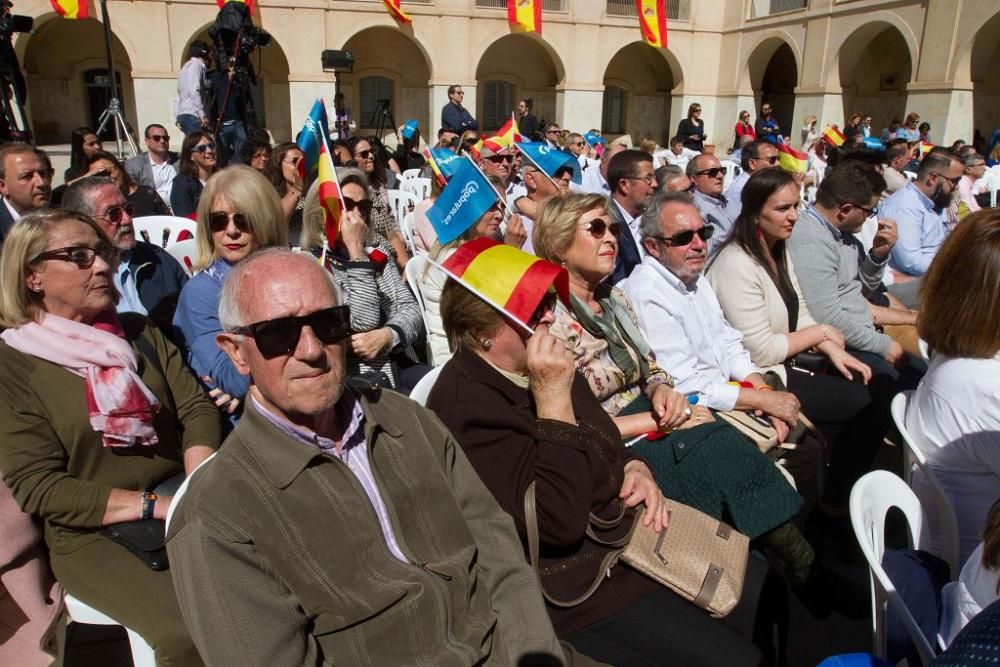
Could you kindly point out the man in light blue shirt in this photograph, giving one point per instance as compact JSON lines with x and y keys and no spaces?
{"x":708,"y":176}
{"x":920,"y":211}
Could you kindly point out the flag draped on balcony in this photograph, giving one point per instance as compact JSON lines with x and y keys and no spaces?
{"x":70,"y":9}
{"x":653,"y":21}
{"x":397,"y":13}
{"x":526,"y":14}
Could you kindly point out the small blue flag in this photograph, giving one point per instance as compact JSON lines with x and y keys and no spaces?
{"x":874,"y":143}
{"x":447,"y":161}
{"x":466,"y":198}
{"x":409,"y":127}
{"x":593,"y":139}
{"x":550,"y":160}
{"x":311,"y":137}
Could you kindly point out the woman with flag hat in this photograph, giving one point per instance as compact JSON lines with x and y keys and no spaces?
{"x":512,"y":397}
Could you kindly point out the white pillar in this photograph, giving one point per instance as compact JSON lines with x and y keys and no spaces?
{"x":579,"y":110}
{"x":827,"y":106}
{"x":948,"y":110}
{"x":154,"y":103}
{"x":302,"y":94}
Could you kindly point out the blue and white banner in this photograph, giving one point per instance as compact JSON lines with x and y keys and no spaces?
{"x":447,"y":161}
{"x":311,"y":137}
{"x":460,"y":205}
{"x":550,"y":160}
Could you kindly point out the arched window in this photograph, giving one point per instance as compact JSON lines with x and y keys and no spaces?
{"x":613,"y":113}
{"x":373,"y":90}
{"x":498,"y":102}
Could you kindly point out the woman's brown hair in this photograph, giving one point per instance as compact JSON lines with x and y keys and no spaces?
{"x":960,"y":295}
{"x":467,"y":318}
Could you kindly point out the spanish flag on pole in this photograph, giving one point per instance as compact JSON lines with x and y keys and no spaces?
{"x":526,"y":14}
{"x":331,"y":199}
{"x":397,"y":13}
{"x":70,"y":9}
{"x":834,"y":137}
{"x":791,"y":160}
{"x":653,"y":21}
{"x":507,"y":135}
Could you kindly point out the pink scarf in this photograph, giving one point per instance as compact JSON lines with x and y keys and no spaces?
{"x":120,"y":406}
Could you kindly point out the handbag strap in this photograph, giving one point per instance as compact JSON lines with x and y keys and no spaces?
{"x":531,"y":526}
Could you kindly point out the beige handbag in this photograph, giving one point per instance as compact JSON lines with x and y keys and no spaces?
{"x":700,"y":558}
{"x":754,"y":428}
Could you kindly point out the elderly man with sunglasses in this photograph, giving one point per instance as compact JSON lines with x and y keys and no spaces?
{"x":708,"y":176}
{"x":683,"y":320}
{"x":148,"y":279}
{"x":340,"y":524}
{"x":756,"y":155}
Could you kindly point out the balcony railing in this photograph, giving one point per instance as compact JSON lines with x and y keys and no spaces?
{"x":676,"y":9}
{"x":547,"y":5}
{"x":760,"y":8}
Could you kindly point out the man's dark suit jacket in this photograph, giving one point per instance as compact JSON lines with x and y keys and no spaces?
{"x":629,"y":254}
{"x":6,"y":221}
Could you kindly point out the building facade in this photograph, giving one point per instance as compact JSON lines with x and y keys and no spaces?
{"x":589,"y":69}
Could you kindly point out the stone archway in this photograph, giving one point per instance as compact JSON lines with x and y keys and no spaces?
{"x":985,"y":74}
{"x":638,"y":93}
{"x":66,"y":72}
{"x":875,"y":67}
{"x":514,"y":67}
{"x":774,"y":74}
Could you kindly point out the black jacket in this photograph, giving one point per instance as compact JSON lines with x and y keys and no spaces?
{"x":158,"y":279}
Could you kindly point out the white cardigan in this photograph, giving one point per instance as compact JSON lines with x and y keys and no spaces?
{"x":753,"y":305}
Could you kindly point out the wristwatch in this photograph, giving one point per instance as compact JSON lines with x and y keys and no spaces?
{"x":148,"y":503}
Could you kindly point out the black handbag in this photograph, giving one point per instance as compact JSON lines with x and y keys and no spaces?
{"x":809,"y":362}
{"x":146,"y":539}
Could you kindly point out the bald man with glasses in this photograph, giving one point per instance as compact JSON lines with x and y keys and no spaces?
{"x":708,"y":176}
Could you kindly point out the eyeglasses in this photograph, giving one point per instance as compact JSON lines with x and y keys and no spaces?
{"x":687,"y":236}
{"x":551,"y":131}
{"x":714,"y":172}
{"x":159,"y":137}
{"x":364,"y":206}
{"x":294,"y":161}
{"x":954,"y":181}
{"x":869,"y":212}
{"x":116,"y":214}
{"x":547,"y":303}
{"x":599,"y":226}
{"x":695,"y":110}
{"x":363,"y":155}
{"x":647,"y":179}
{"x":82,"y":256}
{"x":204,"y":148}
{"x":281,"y":336}
{"x":497,"y":159}
{"x":219,"y":221}
{"x":770,"y":160}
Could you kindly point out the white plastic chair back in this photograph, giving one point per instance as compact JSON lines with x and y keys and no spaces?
{"x":418,"y":187}
{"x":422,"y":391}
{"x":409,"y":173}
{"x":943,"y":522}
{"x":163,"y":230}
{"x":732,"y":171}
{"x":871,"y":498}
{"x":182,"y":489}
{"x":401,"y":202}
{"x":406,"y":227}
{"x":184,"y":252}
{"x":911,"y":175}
{"x":81,"y":612}
{"x":414,"y":273}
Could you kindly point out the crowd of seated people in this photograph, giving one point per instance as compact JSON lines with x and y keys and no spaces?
{"x":124,"y":374}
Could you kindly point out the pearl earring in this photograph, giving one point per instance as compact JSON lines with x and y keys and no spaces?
{"x":486,"y":343}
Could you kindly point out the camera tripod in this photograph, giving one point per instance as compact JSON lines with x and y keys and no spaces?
{"x":382,"y":120}
{"x":113,"y":114}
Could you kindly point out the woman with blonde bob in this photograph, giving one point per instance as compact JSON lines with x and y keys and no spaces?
{"x":239,"y":212}
{"x":97,"y":410}
{"x":956,"y":408}
{"x":385,"y":318}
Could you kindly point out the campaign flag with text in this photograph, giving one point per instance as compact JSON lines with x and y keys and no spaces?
{"x":653,"y":21}
{"x":70,"y":9}
{"x":460,"y":205}
{"x":550,"y":160}
{"x":447,"y":161}
{"x":792,"y":160}
{"x":311,"y":139}
{"x":397,"y":13}
{"x":526,"y":14}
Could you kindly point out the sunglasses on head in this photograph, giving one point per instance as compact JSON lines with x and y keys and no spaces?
{"x":219,"y":221}
{"x":116,"y":214}
{"x":364,"y":207}
{"x":82,"y":256}
{"x":281,"y":336}
{"x":687,"y":236}
{"x":712,"y":173}
{"x":204,"y":148}
{"x":598,"y":227}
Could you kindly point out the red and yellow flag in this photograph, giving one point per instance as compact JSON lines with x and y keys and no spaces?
{"x":71,"y":9}
{"x":653,"y":21}
{"x":834,"y":137}
{"x":397,"y":13}
{"x":526,"y":14}
{"x":791,"y":160}
{"x":331,"y":199}
{"x":507,"y":135}
{"x":925,"y":148}
{"x":511,"y":280}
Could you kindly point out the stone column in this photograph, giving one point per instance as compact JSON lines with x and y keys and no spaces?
{"x":154,"y":103}
{"x":579,"y":109}
{"x":946,"y":106}
{"x":303,"y":93}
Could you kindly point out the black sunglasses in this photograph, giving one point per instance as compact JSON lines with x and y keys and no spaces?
{"x":498,"y":159}
{"x":712,"y":173}
{"x":364,"y":207}
{"x":869,"y":212}
{"x":363,"y":155}
{"x":281,"y":336}
{"x":597,"y":228}
{"x":219,"y":220}
{"x":687,"y":236}
{"x":204,"y":148}
{"x":159,"y":137}
{"x":547,"y":303}
{"x":770,"y":160}
{"x":83,"y":256}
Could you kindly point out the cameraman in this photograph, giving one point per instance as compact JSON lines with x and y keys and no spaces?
{"x":191,"y":88}
{"x":228,"y":104}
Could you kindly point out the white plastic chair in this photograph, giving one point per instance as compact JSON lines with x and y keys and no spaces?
{"x":184,"y":252}
{"x":911,"y":175}
{"x":414,"y":273}
{"x":409,"y":173}
{"x":81,"y":612}
{"x":418,"y":187}
{"x":182,"y":489}
{"x":401,"y":202}
{"x":732,"y":171}
{"x":944,"y":522}
{"x":163,"y":230}
{"x":871,"y":498}
{"x":406,"y":227}
{"x":422,"y":391}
